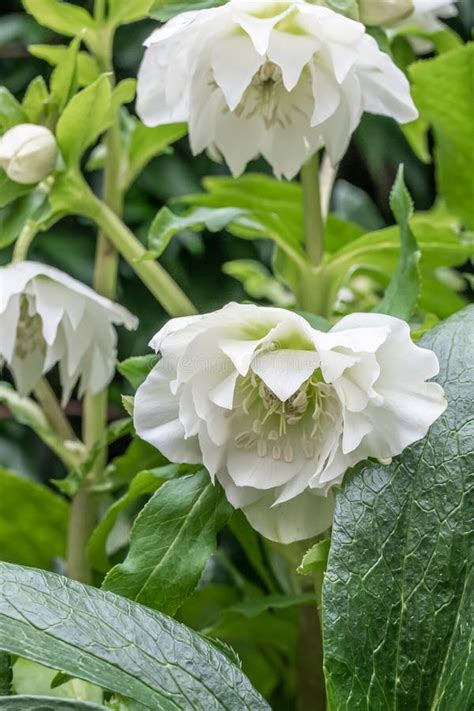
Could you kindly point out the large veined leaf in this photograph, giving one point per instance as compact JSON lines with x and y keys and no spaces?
{"x":399,"y":591}
{"x":5,"y":673}
{"x":139,"y":653}
{"x":171,"y":541}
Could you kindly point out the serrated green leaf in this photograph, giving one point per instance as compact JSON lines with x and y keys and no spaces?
{"x":87,"y":66}
{"x":33,"y":522}
{"x":131,"y":650}
{"x":399,"y":588}
{"x":402,"y":294}
{"x":5,"y":674}
{"x":62,"y":17}
{"x":46,"y":703}
{"x":11,"y":111}
{"x":146,"y":143}
{"x":315,"y":558}
{"x":171,"y":541}
{"x":450,"y":76}
{"x":84,"y":119}
{"x":136,"y":369}
{"x":144,"y":483}
{"x":128,"y":404}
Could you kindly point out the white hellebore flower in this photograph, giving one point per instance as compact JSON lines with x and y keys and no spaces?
{"x":278,"y":411}
{"x":47,"y":317}
{"x":428,"y":16}
{"x":28,"y":153}
{"x":281,"y":79}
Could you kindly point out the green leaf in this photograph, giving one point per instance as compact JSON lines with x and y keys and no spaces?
{"x":144,"y":483}
{"x":171,"y":541}
{"x":10,"y":191}
{"x":252,"y":546}
{"x":5,"y":674}
{"x":402,"y":294}
{"x":124,"y":647}
{"x":55,"y":55}
{"x":64,"y":81}
{"x":258,"y":282}
{"x":252,"y":607}
{"x":399,"y":586}
{"x":317,"y":322}
{"x":122,"y":12}
{"x":315,"y":558}
{"x":62,"y":17}
{"x":35,"y":102}
{"x":146,"y":143}
{"x":31,"y":678}
{"x":450,"y":76}
{"x":46,"y":703}
{"x":84,"y":119}
{"x":33,"y":522}
{"x":11,"y":112}
{"x":14,"y":216}
{"x":167,"y":224}
{"x":137,"y":368}
{"x":164,"y":10}
{"x":138,"y":456}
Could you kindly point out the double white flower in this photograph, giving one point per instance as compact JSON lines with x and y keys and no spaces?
{"x":281,"y":79}
{"x":278,"y":411}
{"x":46,"y":317}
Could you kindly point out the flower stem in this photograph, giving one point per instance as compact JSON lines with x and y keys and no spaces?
{"x":313,"y":221}
{"x":328,"y":175}
{"x":52,"y":409}
{"x":152,"y":274}
{"x":22,"y":245}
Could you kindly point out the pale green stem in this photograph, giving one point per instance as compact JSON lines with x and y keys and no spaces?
{"x":22,"y":245}
{"x":327,"y":179}
{"x":152,"y":274}
{"x":52,"y":409}
{"x":313,"y":221}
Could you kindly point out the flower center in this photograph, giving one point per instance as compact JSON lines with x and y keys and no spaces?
{"x":29,"y":333}
{"x":278,"y":428}
{"x":263,"y":97}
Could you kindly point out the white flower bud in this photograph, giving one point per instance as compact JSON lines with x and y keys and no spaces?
{"x":384,"y":12}
{"x":28,"y":153}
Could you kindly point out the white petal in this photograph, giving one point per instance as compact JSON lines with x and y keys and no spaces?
{"x":286,"y":370}
{"x":234,"y":63}
{"x":156,"y":420}
{"x":259,"y":29}
{"x":246,"y":468}
{"x":327,"y":94}
{"x":303,"y":517}
{"x":292,"y":53}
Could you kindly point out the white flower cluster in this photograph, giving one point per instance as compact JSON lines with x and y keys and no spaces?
{"x":277,"y":411}
{"x":46,"y":317}
{"x":280,"y":79}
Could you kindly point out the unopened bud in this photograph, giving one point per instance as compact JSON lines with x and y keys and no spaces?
{"x":384,"y":12}
{"x":28,"y":153}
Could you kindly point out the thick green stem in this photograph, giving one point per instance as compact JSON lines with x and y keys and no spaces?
{"x":313,"y":221}
{"x":22,"y":245}
{"x":152,"y":274}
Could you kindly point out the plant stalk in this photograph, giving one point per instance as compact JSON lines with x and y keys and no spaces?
{"x":22,"y":245}
{"x":52,"y":409}
{"x":313,"y":220}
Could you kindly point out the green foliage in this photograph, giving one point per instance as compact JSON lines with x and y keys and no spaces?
{"x":31,"y":678}
{"x":139,"y":653}
{"x":316,"y":558}
{"x":258,"y":282}
{"x":136,"y":369}
{"x":62,"y":17}
{"x":46,"y":703}
{"x":397,"y":623}
{"x":11,"y":111}
{"x":144,"y":483}
{"x":450,"y":76}
{"x":33,"y":522}
{"x":5,"y":674}
{"x":87,"y":66}
{"x":401,"y":295}
{"x":84,"y":119}
{"x":171,"y":541}
{"x":165,"y":9}
{"x":146,"y":143}
{"x":122,"y":12}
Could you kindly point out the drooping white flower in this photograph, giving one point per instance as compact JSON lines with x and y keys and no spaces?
{"x":28,"y":153}
{"x":47,"y":317}
{"x":382,"y":12}
{"x":278,"y":411}
{"x":280,"y":79}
